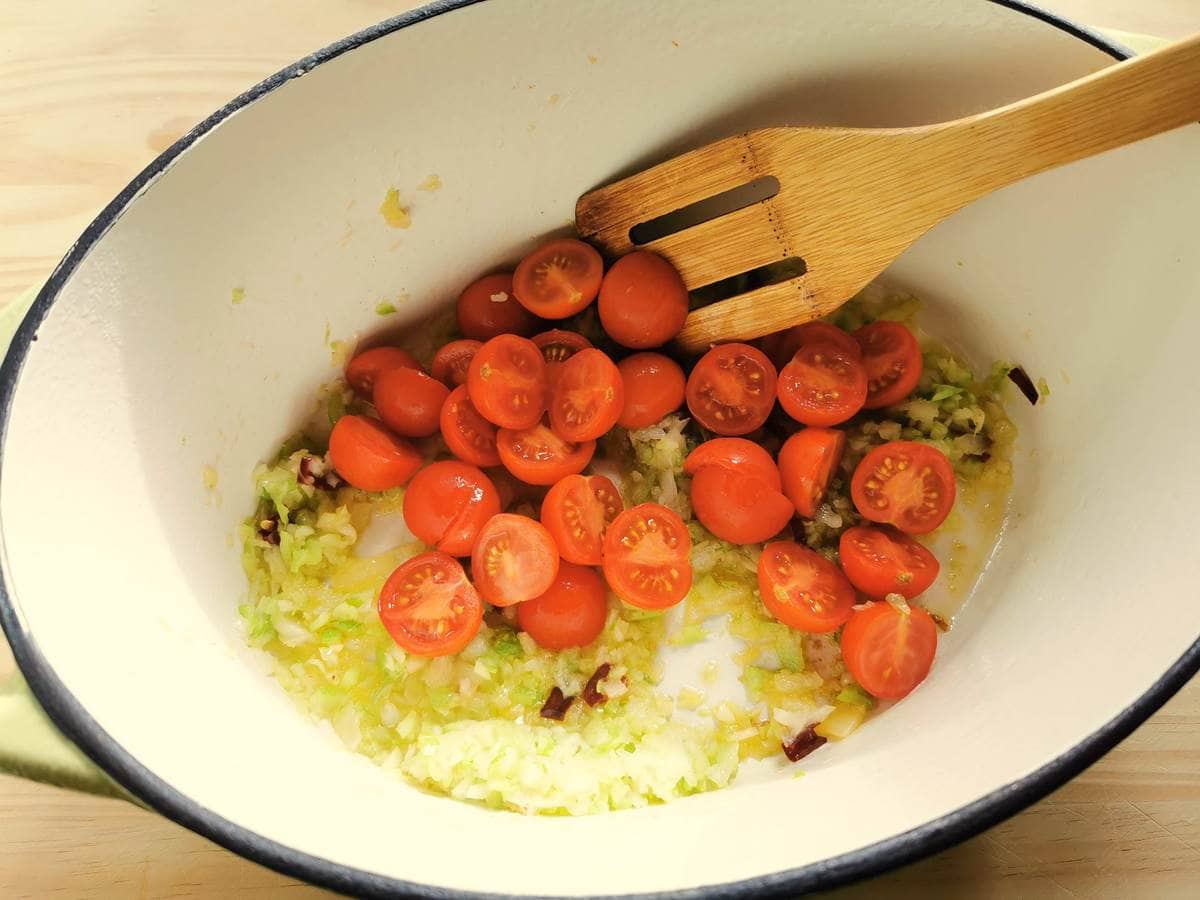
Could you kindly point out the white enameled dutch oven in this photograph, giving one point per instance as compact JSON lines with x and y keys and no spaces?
{"x":134,"y":371}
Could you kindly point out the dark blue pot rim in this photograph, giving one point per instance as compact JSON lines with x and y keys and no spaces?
{"x":75,"y":722}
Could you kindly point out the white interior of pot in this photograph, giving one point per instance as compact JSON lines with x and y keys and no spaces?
{"x":121,"y":561}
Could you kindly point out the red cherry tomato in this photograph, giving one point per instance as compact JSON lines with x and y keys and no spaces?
{"x":737,"y":455}
{"x":447,"y":503}
{"x":643,"y":301}
{"x":822,"y":385}
{"x":807,"y":461}
{"x":647,"y":557}
{"x":732,"y":389}
{"x":558,"y":346}
{"x":514,"y":560}
{"x":889,"y":652}
{"x":570,"y":614}
{"x":488,"y":307}
{"x":737,"y":507}
{"x":654,"y":386}
{"x":893,"y":361}
{"x":558,"y":279}
{"x":451,"y":362}
{"x":587,"y":396}
{"x":470,"y":436}
{"x":802,"y":589}
{"x":507,"y":382}
{"x":368,"y":365}
{"x":782,"y":345}
{"x":880,"y":560}
{"x":429,"y":607}
{"x":368,"y":456}
{"x":577,"y":511}
{"x":905,"y":484}
{"x":409,"y":401}
{"x":539,"y":456}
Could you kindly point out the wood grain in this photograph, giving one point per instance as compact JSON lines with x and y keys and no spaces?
{"x":87,"y":98}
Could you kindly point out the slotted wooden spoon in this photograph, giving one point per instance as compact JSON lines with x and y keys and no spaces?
{"x":851,"y":200}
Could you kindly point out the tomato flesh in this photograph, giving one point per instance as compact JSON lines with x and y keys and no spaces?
{"x":905,"y":484}
{"x":587,"y":396}
{"x":507,"y":382}
{"x":654,"y":387}
{"x":802,"y":589}
{"x":807,"y":461}
{"x":570,"y":613}
{"x":429,"y":607}
{"x":368,"y":456}
{"x":643,"y":301}
{"x":822,"y":385}
{"x":647,"y":557}
{"x":735,"y":454}
{"x":488,"y":307}
{"x":577,"y":511}
{"x":470,"y":436}
{"x":370,"y":364}
{"x":452,"y":362}
{"x":539,"y":456}
{"x":737,"y":507}
{"x":558,"y":279}
{"x":782,"y":345}
{"x":892,"y":358}
{"x":889,"y":651}
{"x":732,"y":389}
{"x":880,"y":560}
{"x":447,"y":503}
{"x":409,"y":401}
{"x":515,"y":559}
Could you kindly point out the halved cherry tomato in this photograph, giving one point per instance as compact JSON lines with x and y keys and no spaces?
{"x":889,"y":652}
{"x":539,"y":456}
{"x":807,"y":461}
{"x":782,"y":345}
{"x":587,"y":396}
{"x":576,"y":511}
{"x":470,"y":436}
{"x":558,"y":279}
{"x":367,"y":366}
{"x":447,"y":503}
{"x":451,"y":362}
{"x":905,"y":484}
{"x":654,"y":386}
{"x":409,"y":401}
{"x":570,"y":614}
{"x":507,"y":382}
{"x":647,"y":557}
{"x":643,"y":301}
{"x":732,"y":389}
{"x":879,"y":560}
{"x":429,"y":607}
{"x":368,"y":456}
{"x":893,"y":361}
{"x":737,"y":455}
{"x":514,"y":560}
{"x":558,"y":346}
{"x":489,"y":307}
{"x":738,"y":507}
{"x":802,"y":589}
{"x":822,"y":385}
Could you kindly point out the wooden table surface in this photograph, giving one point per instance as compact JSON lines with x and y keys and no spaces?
{"x":89,"y":94}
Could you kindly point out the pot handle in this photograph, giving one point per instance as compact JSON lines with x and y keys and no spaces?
{"x":31,"y":747}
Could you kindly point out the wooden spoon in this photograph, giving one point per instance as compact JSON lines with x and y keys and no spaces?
{"x":851,"y":200}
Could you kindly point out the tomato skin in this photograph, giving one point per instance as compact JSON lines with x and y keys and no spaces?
{"x":643,"y":301}
{"x":367,"y":366}
{"x":654,"y":387}
{"x":887,"y":651}
{"x":470,"y":436}
{"x":447,"y":503}
{"x":802,"y":589}
{"x":782,"y":345}
{"x":539,"y":456}
{"x":647,"y":557}
{"x":822,"y":385}
{"x":452,"y":362}
{"x":880,"y":560}
{"x":515,"y":559}
{"x":558,"y":279}
{"x":737,"y":507}
{"x":409,"y":401}
{"x":570,"y":613}
{"x":558,"y":346}
{"x":587,"y":396}
{"x":435,"y":585}
{"x":905,"y":484}
{"x":737,"y":455}
{"x":507,"y":382}
{"x":732,"y":389}
{"x":366,"y":455}
{"x":481,"y":317}
{"x":893,"y":361}
{"x":807,"y":461}
{"x":576,"y":512}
